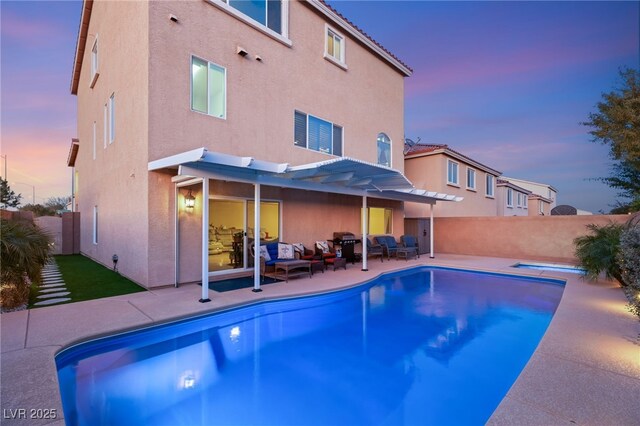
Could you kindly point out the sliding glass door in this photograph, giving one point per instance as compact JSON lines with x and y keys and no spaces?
{"x":231,"y":233}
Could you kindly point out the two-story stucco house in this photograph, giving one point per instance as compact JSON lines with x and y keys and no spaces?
{"x":203,"y":124}
{"x":511,"y":199}
{"x":547,"y":192}
{"x":442,"y":169}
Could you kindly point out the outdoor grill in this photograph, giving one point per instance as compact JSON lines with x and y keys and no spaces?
{"x":346,"y":242}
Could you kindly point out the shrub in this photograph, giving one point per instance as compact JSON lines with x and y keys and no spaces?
{"x":24,"y":250}
{"x":629,"y":260}
{"x":598,"y":252}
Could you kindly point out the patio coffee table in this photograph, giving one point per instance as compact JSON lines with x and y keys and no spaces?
{"x":291,"y":268}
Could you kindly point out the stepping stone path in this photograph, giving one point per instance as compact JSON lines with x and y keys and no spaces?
{"x":52,"y":290}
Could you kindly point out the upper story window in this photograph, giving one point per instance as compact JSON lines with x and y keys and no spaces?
{"x":265,"y":12}
{"x":384,"y":150}
{"x":489,"y":184}
{"x":525,"y":201}
{"x":316,"y":134}
{"x":208,"y":88}
{"x":452,"y":172}
{"x":112,"y":118}
{"x":509,"y":197}
{"x":471,"y":179}
{"x":334,"y":47}
{"x":106,"y":124}
{"x":519,"y":200}
{"x":94,"y":62}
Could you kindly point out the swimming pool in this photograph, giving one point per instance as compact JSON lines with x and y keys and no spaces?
{"x":422,"y":346}
{"x":550,"y":267}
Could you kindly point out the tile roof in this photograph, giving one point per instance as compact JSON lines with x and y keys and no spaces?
{"x":361,"y":31}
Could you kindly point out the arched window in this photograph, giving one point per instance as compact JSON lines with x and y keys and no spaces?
{"x":384,"y":150}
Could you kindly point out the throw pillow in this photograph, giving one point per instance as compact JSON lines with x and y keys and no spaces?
{"x":285,"y":251}
{"x":298,"y":248}
{"x":265,"y":253}
{"x":323,"y":246}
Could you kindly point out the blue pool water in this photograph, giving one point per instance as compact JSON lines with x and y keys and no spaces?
{"x":556,"y":268}
{"x":424,"y":346}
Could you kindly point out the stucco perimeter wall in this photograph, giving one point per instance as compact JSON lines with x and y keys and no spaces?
{"x":548,"y":238}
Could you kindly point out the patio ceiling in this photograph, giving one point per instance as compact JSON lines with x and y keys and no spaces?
{"x":342,"y":175}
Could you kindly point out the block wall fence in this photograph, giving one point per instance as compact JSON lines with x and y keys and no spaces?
{"x":544,"y":238}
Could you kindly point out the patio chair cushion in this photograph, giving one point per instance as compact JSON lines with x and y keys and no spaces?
{"x":322,"y":246}
{"x":265,"y":253}
{"x":391,"y":241}
{"x":298,"y":248}
{"x":285,"y":251}
{"x":272,"y":248}
{"x":409,"y":241}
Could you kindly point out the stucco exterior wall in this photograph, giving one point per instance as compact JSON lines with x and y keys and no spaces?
{"x":117,"y":180}
{"x":547,"y":238}
{"x":537,"y":188}
{"x":262,"y":96}
{"x":430,"y":173}
{"x":534,"y":207}
{"x":501,"y":203}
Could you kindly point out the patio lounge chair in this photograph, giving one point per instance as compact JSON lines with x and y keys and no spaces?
{"x":409,"y":246}
{"x":374,"y":250}
{"x":389,"y":245}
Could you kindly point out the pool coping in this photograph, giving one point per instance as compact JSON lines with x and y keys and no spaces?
{"x":568,"y":379}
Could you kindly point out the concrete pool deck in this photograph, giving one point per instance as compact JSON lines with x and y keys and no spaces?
{"x":586,"y":369}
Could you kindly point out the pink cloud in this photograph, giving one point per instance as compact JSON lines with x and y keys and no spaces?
{"x":490,"y":68}
{"x":38,"y":158}
{"x":31,"y":32}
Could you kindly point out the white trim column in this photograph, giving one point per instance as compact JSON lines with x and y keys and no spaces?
{"x":431,"y":254}
{"x":365,"y":228}
{"x":176,"y":235}
{"x":205,"y":241}
{"x":256,"y":239}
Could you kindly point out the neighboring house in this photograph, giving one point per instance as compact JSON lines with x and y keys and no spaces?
{"x":539,"y":205}
{"x":445,"y":170}
{"x":192,"y":112}
{"x":544,"y":190}
{"x":512,"y":200}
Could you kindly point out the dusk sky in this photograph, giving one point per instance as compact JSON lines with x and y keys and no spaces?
{"x":506,"y":83}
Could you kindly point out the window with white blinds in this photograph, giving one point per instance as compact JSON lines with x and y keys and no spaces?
{"x":316,"y":134}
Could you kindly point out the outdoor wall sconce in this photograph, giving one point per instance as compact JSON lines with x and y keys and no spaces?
{"x":189,"y":200}
{"x":115,"y":262}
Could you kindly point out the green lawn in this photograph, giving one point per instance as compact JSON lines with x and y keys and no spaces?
{"x":87,"y":280}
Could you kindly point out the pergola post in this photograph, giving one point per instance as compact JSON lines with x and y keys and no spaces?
{"x":365,"y":228}
{"x":256,"y":239}
{"x":205,"y":241}
{"x":431,"y":254}
{"x":176,"y":236}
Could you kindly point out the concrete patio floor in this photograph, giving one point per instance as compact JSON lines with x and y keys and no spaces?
{"x":586,"y":369}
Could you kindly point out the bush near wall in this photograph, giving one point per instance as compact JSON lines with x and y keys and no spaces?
{"x":24,"y":250}
{"x":629,"y":261}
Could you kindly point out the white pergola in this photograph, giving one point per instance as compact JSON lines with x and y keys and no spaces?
{"x":342,"y":175}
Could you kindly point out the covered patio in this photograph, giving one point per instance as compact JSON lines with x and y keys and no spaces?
{"x":342,"y":175}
